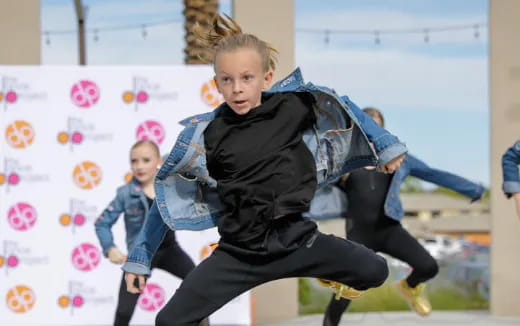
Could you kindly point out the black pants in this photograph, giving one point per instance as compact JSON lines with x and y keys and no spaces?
{"x":228,"y":273}
{"x":394,"y":240}
{"x":170,"y":258}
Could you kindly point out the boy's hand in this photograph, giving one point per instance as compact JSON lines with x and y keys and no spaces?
{"x":516,"y":197}
{"x":393,"y":165}
{"x":130,"y":282}
{"x":116,"y":256}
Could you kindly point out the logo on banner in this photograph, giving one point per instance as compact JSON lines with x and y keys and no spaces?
{"x":12,"y":90}
{"x":144,"y":91}
{"x":21,"y":216}
{"x":85,"y":94}
{"x":151,"y":130}
{"x":19,"y":134}
{"x":206,"y":251}
{"x":78,"y":214}
{"x":85,"y":257}
{"x":78,"y":295}
{"x":78,"y":131}
{"x":20,"y":299}
{"x":87,"y":175}
{"x":210,"y":95}
{"x":14,"y":172}
{"x":15,"y":255}
{"x":152,"y":298}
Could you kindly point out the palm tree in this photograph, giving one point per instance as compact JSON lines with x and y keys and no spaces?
{"x":202,"y":12}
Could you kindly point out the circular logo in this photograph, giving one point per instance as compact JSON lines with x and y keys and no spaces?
{"x":20,"y":299}
{"x":150,"y":130}
{"x":10,"y":97}
{"x":87,"y":175}
{"x":210,"y":95}
{"x":65,"y":301}
{"x":22,"y":216}
{"x":152,"y":297}
{"x":12,"y":178}
{"x":76,"y":137}
{"x":19,"y":134}
{"x":84,"y":94}
{"x":85,"y":257}
{"x":140,"y":97}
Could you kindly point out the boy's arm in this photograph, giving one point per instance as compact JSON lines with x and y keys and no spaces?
{"x":387,"y":146}
{"x":140,"y":258}
{"x":106,"y":220}
{"x":445,"y":179}
{"x":511,"y":178}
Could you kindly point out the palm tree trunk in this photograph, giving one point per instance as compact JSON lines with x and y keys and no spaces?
{"x":202,"y":12}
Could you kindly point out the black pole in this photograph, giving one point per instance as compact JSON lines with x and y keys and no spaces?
{"x":81,"y":33}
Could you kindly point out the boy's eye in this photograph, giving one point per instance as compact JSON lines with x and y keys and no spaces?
{"x":226,"y":79}
{"x":248,"y":77}
{"x":133,"y":161}
{"x":146,"y":160}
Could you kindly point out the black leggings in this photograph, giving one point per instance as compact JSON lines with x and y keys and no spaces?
{"x":226,"y":274}
{"x":394,"y":240}
{"x":171,"y":259}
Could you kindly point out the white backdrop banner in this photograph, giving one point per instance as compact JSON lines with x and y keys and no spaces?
{"x":67,"y":132}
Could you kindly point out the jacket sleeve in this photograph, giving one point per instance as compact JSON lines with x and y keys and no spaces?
{"x":387,"y":145}
{"x":510,"y":162}
{"x":154,"y":229}
{"x":106,"y":220}
{"x":445,"y":179}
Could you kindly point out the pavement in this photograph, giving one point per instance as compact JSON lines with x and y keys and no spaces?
{"x":444,"y":318}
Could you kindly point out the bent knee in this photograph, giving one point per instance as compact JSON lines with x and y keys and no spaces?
{"x":375,"y":273}
{"x":428,"y":269}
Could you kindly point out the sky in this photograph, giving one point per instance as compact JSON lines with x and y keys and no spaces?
{"x":434,"y":94}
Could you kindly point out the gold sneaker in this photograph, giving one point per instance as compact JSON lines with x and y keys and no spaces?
{"x":413,"y":296}
{"x":341,"y":290}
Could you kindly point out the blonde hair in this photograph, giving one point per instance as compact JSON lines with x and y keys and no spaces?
{"x":375,"y":113}
{"x":149,"y":143}
{"x":226,"y":35}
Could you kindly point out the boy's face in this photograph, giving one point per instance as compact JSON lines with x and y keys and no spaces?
{"x":144,"y":161}
{"x":240,"y":79}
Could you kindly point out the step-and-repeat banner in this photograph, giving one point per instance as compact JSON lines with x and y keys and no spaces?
{"x":66,"y":135}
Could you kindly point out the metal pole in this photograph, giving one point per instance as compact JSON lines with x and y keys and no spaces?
{"x":81,"y":33}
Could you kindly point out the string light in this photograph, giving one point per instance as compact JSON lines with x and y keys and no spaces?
{"x":96,"y":32}
{"x":426,"y":36}
{"x":476,"y":32}
{"x":144,"y":33}
{"x":327,"y":37}
{"x":426,"y":32}
{"x":47,"y":38}
{"x":377,"y":34}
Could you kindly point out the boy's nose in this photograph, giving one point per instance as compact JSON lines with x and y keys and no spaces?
{"x":237,"y":87}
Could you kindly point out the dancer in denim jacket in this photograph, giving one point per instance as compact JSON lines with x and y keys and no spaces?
{"x":133,"y":201}
{"x":373,"y":219}
{"x":251,"y":167}
{"x":511,"y":177}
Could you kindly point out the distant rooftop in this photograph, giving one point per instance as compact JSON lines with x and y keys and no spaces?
{"x":438,"y":202}
{"x":463,"y":223}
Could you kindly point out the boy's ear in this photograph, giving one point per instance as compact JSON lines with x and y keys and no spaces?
{"x":268,"y":78}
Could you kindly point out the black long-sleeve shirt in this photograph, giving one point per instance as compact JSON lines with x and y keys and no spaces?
{"x":263,"y":168}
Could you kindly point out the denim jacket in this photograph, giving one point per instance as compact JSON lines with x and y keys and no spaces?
{"x":130,"y":200}
{"x":333,"y":202}
{"x":510,"y":162}
{"x":187,"y":198}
